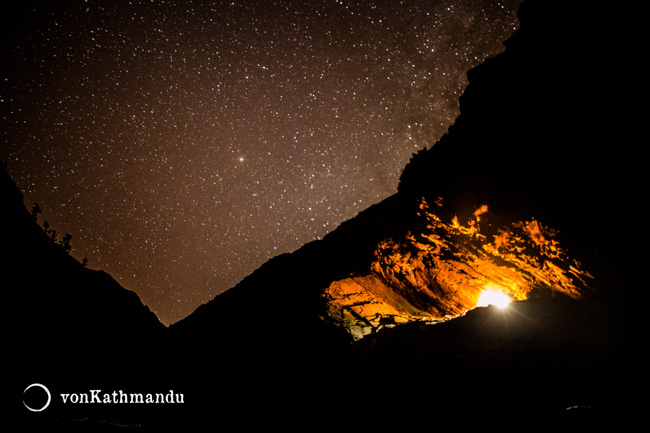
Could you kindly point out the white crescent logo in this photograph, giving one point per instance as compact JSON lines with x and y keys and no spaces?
{"x":49,"y":397}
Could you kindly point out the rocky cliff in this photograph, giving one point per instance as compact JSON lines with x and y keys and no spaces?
{"x":446,"y":268}
{"x":523,"y":177}
{"x":523,"y":156}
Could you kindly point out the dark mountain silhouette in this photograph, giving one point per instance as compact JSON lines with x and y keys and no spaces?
{"x":53,"y":287}
{"x":540,"y":129}
{"x":535,"y":138}
{"x":67,"y":325}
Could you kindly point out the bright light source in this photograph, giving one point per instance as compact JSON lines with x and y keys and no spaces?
{"x":493,"y":297}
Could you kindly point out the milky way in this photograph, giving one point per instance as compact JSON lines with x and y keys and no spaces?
{"x":183,"y":144}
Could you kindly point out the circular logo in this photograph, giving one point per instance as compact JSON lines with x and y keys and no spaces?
{"x":47,"y":391}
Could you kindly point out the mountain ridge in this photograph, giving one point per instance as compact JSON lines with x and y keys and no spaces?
{"x":60,"y":309}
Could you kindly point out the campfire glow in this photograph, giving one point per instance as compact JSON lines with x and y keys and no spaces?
{"x":444,"y":268}
{"x":493,"y":297}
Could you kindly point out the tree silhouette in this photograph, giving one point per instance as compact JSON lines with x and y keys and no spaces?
{"x":49,"y":230}
{"x":36,"y":211}
{"x":65,"y":243}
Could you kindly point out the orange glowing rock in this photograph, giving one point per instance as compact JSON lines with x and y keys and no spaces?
{"x":445,"y":271}
{"x":365,"y":304}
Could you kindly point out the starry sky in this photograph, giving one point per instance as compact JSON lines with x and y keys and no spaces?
{"x":185,"y":143}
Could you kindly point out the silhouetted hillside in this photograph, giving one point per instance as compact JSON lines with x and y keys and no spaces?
{"x":66,"y":324}
{"x":542,"y":129}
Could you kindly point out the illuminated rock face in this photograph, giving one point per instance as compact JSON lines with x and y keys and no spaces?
{"x":365,"y":304}
{"x":441,"y":272}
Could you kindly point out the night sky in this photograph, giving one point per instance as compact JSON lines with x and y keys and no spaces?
{"x":184,"y":143}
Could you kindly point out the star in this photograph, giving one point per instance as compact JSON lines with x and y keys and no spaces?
{"x":184,"y":144}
